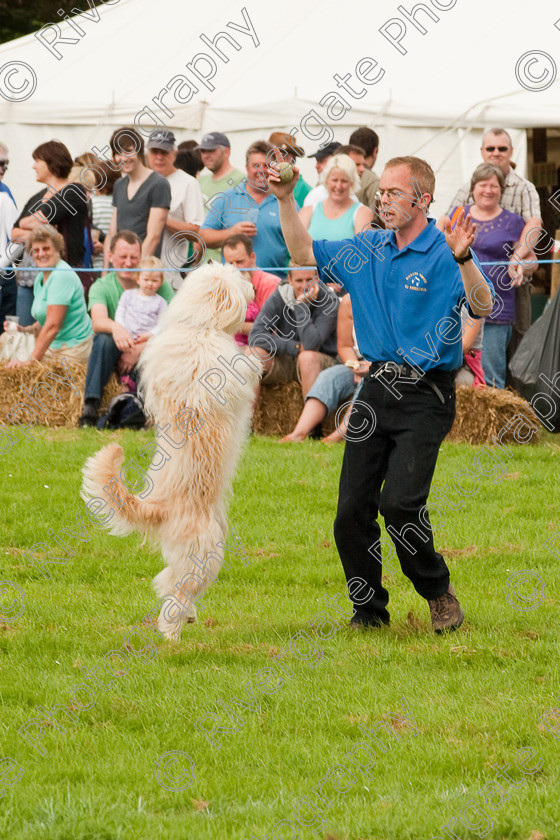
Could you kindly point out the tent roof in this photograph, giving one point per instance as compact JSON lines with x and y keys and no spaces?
{"x":460,"y":72}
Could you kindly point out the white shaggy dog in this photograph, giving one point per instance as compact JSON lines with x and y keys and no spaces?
{"x":185,"y":511}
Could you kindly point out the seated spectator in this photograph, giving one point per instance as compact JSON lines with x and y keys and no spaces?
{"x":322,"y":157}
{"x":294,"y":334}
{"x":286,"y":143}
{"x":368,"y":140}
{"x":112,"y":342}
{"x":141,"y":199}
{"x":186,"y":212}
{"x":139,"y":309}
{"x":335,"y":384}
{"x":253,"y":201}
{"x":471,"y":373}
{"x":497,"y":235}
{"x":62,"y":325}
{"x":237,"y":250}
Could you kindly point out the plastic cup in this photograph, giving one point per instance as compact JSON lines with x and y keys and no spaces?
{"x":13,"y":321}
{"x":252,"y":215}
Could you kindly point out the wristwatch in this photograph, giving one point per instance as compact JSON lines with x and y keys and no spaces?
{"x":465,"y":259}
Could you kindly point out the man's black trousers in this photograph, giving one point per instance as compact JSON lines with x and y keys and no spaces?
{"x":389,"y":460}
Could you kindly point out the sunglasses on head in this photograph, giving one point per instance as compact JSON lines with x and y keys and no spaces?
{"x":499,"y":148}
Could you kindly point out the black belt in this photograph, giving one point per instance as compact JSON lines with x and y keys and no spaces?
{"x":414,"y":375}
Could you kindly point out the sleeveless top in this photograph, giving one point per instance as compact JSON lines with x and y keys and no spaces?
{"x":342,"y":228}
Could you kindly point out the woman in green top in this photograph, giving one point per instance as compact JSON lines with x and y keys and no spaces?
{"x":62,"y":325}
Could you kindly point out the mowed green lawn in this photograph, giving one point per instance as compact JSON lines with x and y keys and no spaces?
{"x":476,"y":697}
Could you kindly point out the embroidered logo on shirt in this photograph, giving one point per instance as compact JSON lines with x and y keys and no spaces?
{"x":416,"y":282}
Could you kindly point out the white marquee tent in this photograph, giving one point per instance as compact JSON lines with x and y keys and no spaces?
{"x":276,"y":71}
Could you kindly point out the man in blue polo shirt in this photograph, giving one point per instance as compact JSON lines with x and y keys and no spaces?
{"x":250,"y":208}
{"x":406,"y":284}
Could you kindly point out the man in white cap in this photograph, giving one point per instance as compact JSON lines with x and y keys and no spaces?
{"x":186,"y":212}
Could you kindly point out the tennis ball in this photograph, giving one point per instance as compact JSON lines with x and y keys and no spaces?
{"x":285,"y":172}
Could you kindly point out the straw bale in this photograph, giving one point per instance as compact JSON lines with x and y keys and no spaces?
{"x":62,"y":412}
{"x":484,"y":412}
{"x":481,"y":413}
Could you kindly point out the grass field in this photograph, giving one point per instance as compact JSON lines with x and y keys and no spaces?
{"x":475,"y":697}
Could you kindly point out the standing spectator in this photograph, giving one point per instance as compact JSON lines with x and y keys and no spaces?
{"x":338,"y":216}
{"x":294,"y":334}
{"x":4,"y":163}
{"x":253,"y":196}
{"x":186,"y":212}
{"x":141,"y":199}
{"x":215,"y":149}
{"x":63,"y":205}
{"x":497,"y":233}
{"x":322,"y":157}
{"x":521,"y":197}
{"x":238,"y":251}
{"x":101,"y":199}
{"x":189,"y":162}
{"x":287,"y":145}
{"x":113,"y":343}
{"x":8,"y":216}
{"x":368,"y":140}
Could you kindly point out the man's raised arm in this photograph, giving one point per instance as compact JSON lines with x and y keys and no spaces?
{"x":298,"y":241}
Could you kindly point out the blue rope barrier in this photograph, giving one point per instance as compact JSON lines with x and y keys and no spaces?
{"x":179,"y":270}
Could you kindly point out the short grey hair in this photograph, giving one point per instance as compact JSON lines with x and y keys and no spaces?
{"x":346,"y":165}
{"x":484,"y":172}
{"x":497,"y":131}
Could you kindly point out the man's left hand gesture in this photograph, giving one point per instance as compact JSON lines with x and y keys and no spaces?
{"x":461,"y":237}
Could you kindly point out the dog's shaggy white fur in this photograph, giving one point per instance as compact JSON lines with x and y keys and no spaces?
{"x":185,"y":512}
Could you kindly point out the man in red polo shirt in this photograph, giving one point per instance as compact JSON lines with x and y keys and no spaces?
{"x":237,"y":250}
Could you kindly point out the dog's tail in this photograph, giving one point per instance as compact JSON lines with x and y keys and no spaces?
{"x":102,"y":480}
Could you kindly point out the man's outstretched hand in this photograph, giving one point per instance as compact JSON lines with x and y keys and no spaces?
{"x":461,"y":237}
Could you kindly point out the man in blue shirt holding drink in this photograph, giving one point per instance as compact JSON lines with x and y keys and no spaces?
{"x":407,"y":284}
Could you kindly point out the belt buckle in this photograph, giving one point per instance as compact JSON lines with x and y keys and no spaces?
{"x":388,"y":367}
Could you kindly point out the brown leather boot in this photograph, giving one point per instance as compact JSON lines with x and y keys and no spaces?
{"x":446,"y":612}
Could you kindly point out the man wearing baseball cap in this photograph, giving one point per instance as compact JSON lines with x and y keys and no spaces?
{"x":214,"y":151}
{"x":186,"y":212}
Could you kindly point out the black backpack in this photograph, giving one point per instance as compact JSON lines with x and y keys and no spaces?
{"x":125,"y":411}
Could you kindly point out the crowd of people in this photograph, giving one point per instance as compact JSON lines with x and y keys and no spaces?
{"x":145,"y":210}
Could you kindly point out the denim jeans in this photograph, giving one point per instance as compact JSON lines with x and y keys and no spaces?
{"x":397,"y":451}
{"x":104,"y":356}
{"x":332,"y":386}
{"x":24,"y":304}
{"x":494,"y":348}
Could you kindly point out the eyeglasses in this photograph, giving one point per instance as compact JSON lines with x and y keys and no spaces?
{"x":391,"y":194}
{"x":4,"y":164}
{"x":499,"y":148}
